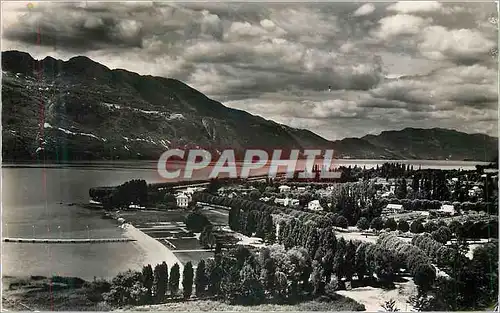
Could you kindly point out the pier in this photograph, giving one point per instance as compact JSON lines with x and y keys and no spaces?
{"x":66,"y":241}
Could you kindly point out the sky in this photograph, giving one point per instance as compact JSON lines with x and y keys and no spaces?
{"x":337,"y":69}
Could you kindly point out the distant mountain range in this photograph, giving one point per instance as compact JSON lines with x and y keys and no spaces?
{"x":81,"y":110}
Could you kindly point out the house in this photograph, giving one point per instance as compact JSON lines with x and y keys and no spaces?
{"x":393,"y":209}
{"x":314,"y":205}
{"x":182,"y":200}
{"x":447,"y":209}
{"x":284,"y":188}
{"x":287,"y":201}
{"x":387,"y":194}
{"x":264,"y":199}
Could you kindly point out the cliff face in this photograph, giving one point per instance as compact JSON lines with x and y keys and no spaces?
{"x":80,"y":109}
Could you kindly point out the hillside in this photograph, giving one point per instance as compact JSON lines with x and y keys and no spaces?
{"x":81,"y":110}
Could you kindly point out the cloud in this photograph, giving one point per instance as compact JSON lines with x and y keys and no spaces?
{"x":338,"y":69}
{"x":400,"y":24}
{"x":365,"y":9}
{"x":415,"y":6}
{"x":460,"y":45}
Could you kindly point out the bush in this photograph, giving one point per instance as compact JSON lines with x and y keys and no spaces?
{"x":342,"y":222}
{"x":417,"y":227}
{"x":363,"y":223}
{"x":377,"y":223}
{"x":391,"y":224}
{"x":96,"y":289}
{"x":403,"y":226}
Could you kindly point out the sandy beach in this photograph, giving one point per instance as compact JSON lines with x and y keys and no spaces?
{"x":154,"y":251}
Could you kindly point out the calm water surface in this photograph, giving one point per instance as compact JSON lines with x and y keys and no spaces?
{"x":36,"y":203}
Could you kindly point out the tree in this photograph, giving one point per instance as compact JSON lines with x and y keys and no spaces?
{"x":187,"y":280}
{"x":442,"y":234}
{"x":196,"y":221}
{"x":254,"y":195}
{"x":401,"y":189}
{"x":127,"y":288}
{"x":251,"y":289}
{"x":363,"y":223}
{"x":148,"y":280}
{"x":174,"y":279}
{"x":424,"y":277}
{"x":391,"y":224}
{"x":403,"y":226}
{"x":342,"y":222}
{"x":377,"y":223}
{"x":234,"y":218}
{"x":214,"y":276}
{"x":207,"y":238}
{"x":160,"y":281}
{"x":416,"y":227}
{"x":268,"y":274}
{"x":430,"y":226}
{"x":201,"y":279}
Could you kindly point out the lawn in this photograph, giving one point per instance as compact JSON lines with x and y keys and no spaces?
{"x":194,"y":257}
{"x":144,"y":218}
{"x":186,"y":244}
{"x":216,"y":216}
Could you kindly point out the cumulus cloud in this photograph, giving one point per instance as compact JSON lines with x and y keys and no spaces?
{"x":461,"y":45}
{"x":365,"y":9}
{"x":400,"y":24}
{"x":338,"y":69}
{"x":415,"y":6}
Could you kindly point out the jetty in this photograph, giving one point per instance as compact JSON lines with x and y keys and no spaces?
{"x":67,"y":241}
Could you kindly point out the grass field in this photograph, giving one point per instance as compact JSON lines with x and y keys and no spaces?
{"x":186,"y":244}
{"x":194,"y":257}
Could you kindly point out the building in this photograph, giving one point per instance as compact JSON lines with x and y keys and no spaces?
{"x":393,"y":209}
{"x":284,"y":188}
{"x":287,"y":201}
{"x":314,"y":206}
{"x":387,"y":194}
{"x":447,"y":209}
{"x":264,"y":199}
{"x":301,"y":189}
{"x":182,"y":200}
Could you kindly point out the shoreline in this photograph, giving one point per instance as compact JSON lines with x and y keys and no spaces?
{"x":154,"y":251}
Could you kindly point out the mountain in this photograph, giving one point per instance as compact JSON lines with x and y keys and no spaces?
{"x":81,"y":110}
{"x":422,"y":144}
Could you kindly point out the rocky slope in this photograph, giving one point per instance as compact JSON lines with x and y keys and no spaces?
{"x":81,"y":110}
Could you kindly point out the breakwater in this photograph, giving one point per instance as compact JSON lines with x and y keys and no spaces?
{"x":67,"y":241}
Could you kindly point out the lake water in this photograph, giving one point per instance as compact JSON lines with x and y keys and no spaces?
{"x":36,"y":203}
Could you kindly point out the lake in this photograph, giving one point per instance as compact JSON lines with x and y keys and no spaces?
{"x":36,"y":203}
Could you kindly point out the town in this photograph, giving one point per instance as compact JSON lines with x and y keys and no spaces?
{"x":420,"y":239}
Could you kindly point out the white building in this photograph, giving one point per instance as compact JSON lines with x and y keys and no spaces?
{"x":284,"y":188}
{"x":287,"y":201}
{"x":387,"y":194}
{"x":264,"y":199}
{"x":392,"y":208}
{"x":182,"y":200}
{"x":447,"y":209}
{"x":314,"y":206}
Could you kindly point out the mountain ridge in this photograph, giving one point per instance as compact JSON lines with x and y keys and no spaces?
{"x":81,"y":109}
